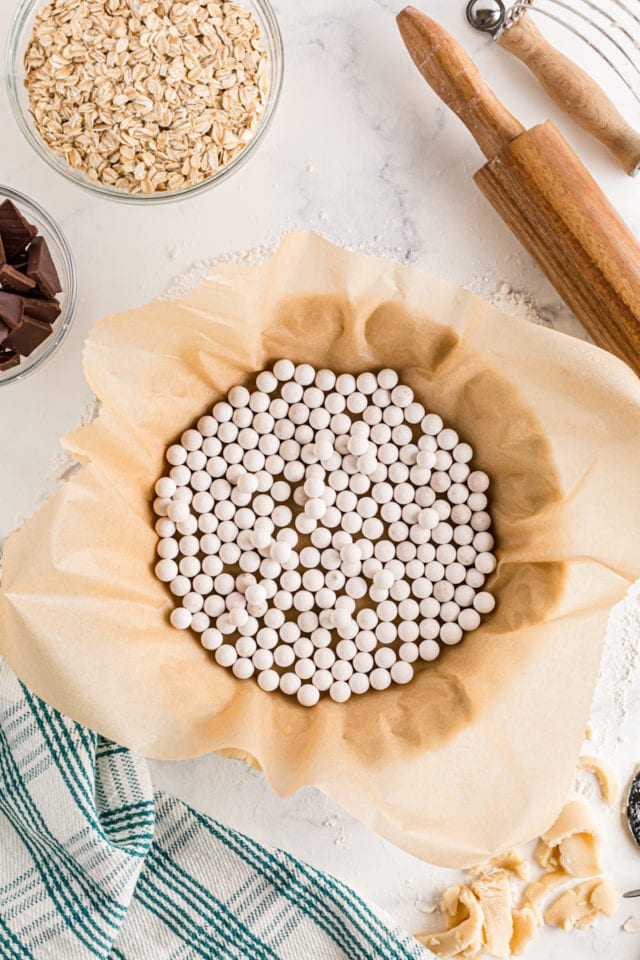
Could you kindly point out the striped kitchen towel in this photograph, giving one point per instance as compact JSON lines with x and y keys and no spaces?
{"x":93,"y":863}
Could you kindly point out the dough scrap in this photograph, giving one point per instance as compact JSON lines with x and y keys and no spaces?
{"x":581,"y":906}
{"x":493,"y":893}
{"x":631,"y":925}
{"x":572,"y":843}
{"x":525,"y":927}
{"x":463,"y":936}
{"x":511,"y":861}
{"x":541,"y":888}
{"x":546,"y":856}
{"x":573,"y":818}
{"x":605,"y":775}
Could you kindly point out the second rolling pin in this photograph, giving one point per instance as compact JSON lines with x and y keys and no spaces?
{"x":543,"y":192}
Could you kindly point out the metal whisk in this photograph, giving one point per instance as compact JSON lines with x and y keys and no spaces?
{"x":619,"y":36}
{"x":611,"y":28}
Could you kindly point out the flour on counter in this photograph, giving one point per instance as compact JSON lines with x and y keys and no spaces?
{"x":184,"y":284}
{"x":63,"y":464}
{"x":334,"y":823}
{"x":514,"y":302}
{"x":585,"y":785}
{"x":191,"y":279}
{"x":517,"y":304}
{"x":618,"y":672}
{"x":174,"y":251}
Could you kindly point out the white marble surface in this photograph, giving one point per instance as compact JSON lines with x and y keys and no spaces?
{"x":361,"y":151}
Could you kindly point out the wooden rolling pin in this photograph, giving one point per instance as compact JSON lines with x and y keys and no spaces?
{"x":543,"y":192}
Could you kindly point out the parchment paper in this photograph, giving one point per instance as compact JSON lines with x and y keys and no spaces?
{"x":477,"y":753}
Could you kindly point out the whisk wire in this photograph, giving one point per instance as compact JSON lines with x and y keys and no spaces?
{"x":607,"y":16}
{"x":630,"y":13}
{"x":586,"y":19}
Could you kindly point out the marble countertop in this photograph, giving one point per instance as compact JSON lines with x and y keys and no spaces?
{"x":361,"y":151}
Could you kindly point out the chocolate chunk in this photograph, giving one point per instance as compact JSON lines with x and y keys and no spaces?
{"x":27,"y":336}
{"x":45,"y":310}
{"x":12,"y":279}
{"x":29,"y":283}
{"x":41,"y":268}
{"x":8,"y":359}
{"x":20,"y":262}
{"x":11,"y":309}
{"x":16,"y":232}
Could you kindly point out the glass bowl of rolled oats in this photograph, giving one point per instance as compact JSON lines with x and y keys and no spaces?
{"x":144,"y":100}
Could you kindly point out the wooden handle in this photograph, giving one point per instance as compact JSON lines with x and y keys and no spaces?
{"x":574,"y":91}
{"x":559,"y":213}
{"x":457,"y":81}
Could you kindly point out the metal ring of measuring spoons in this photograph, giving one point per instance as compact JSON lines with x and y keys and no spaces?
{"x":487,"y":16}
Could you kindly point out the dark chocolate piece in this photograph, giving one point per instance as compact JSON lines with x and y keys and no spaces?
{"x":46,"y":310}
{"x":27,"y":336}
{"x":11,"y":309}
{"x":4,"y":332}
{"x":20,"y":262}
{"x":8,"y":359}
{"x":16,"y":232}
{"x":3,"y":256}
{"x":11,"y":279}
{"x":41,"y":268}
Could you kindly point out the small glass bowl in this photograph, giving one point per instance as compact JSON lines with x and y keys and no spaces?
{"x":19,"y":35}
{"x":65,"y":265}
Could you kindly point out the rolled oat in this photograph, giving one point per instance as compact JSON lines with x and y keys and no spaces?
{"x":146,"y":96}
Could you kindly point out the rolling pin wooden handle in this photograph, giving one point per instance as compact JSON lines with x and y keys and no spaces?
{"x":457,"y":81}
{"x":574,"y":91}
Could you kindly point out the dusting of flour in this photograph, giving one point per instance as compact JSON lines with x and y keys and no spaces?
{"x":618,"y":672}
{"x":189,"y":281}
{"x":514,"y":302}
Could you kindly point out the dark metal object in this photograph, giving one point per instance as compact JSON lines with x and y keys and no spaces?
{"x":633,"y":808}
{"x":633,"y":820}
{"x":487,"y":16}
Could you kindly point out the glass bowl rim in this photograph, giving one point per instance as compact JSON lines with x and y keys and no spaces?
{"x":63,"y":323}
{"x":276,"y":55}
